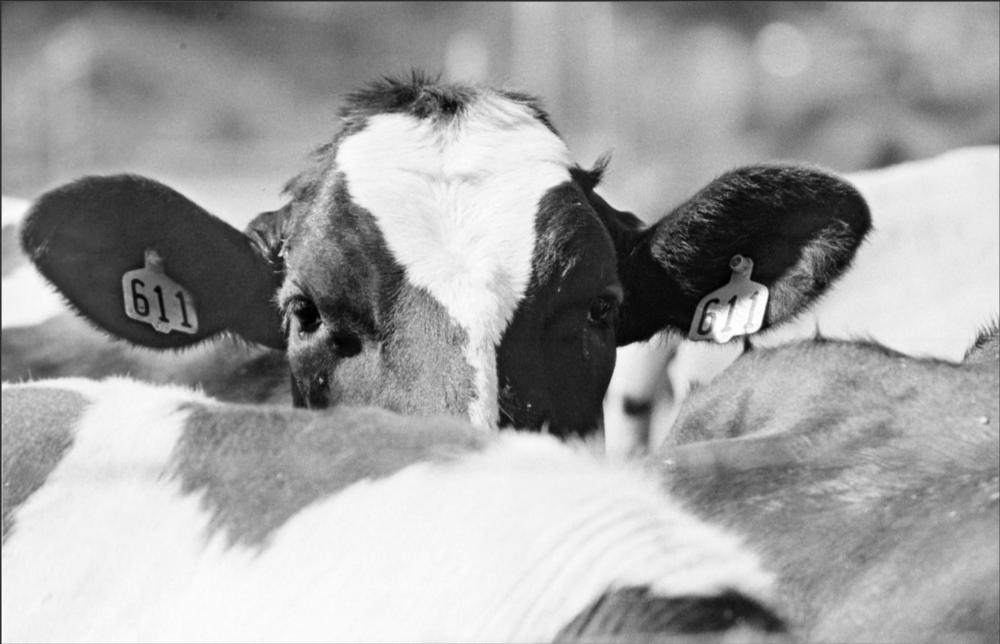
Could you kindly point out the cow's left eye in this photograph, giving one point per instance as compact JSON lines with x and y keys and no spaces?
{"x":306,"y":314}
{"x":599,"y":313}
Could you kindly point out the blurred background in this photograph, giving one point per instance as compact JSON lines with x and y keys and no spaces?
{"x":224,"y":100}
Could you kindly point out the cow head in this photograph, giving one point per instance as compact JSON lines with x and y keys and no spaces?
{"x":444,"y":254}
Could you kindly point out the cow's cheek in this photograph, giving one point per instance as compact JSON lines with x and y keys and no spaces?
{"x":578,"y":371}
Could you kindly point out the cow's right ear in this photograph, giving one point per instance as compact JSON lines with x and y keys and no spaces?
{"x":800,"y":226}
{"x":147,"y":265}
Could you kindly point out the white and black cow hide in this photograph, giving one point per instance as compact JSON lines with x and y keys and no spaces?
{"x":922,"y":282}
{"x":864,"y":481}
{"x":140,"y":513}
{"x":442,"y":254}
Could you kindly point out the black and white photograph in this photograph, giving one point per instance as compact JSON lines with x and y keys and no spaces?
{"x":488,"y":322}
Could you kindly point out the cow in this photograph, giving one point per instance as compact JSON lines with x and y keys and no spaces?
{"x":866,"y":479}
{"x":821,"y":491}
{"x":135,"y":512}
{"x":925,"y":277}
{"x":442,"y":254}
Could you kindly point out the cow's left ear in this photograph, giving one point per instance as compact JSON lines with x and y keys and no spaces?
{"x":800,"y":226}
{"x":146,"y":264}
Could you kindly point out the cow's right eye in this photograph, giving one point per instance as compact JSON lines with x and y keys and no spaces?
{"x":600,"y":312}
{"x":306,"y":315}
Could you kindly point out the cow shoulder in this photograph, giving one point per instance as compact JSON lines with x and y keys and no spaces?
{"x":37,"y":431}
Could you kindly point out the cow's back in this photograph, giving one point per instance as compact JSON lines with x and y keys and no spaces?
{"x":867,"y":479}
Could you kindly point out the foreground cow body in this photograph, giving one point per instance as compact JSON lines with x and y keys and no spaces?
{"x":922,"y":283}
{"x":136,"y":513}
{"x":133,"y":513}
{"x":443,"y":255}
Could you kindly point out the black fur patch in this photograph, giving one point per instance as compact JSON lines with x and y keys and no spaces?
{"x":629,"y":613}
{"x":420,"y":96}
{"x":589,"y":179}
{"x":425,"y":97}
{"x":553,"y":366}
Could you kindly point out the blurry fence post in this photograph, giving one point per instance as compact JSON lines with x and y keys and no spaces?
{"x":68,"y":118}
{"x":613,"y":100}
{"x":467,"y":57}
{"x":536,"y":49}
{"x":599,"y":61}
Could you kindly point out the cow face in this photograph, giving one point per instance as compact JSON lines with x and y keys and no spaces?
{"x":439,"y":256}
{"x":444,"y":255}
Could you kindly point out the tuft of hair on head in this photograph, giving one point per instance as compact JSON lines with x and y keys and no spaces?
{"x":589,"y":179}
{"x":394,"y":85}
{"x":421,"y":95}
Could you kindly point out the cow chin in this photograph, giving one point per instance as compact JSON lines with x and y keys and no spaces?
{"x":542,"y":418}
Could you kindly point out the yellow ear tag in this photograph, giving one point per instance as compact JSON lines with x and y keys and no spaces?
{"x":151,"y":297}
{"x":735,"y":309}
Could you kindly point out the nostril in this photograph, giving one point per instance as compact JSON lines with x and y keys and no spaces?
{"x":317,"y":392}
{"x":346,"y":344}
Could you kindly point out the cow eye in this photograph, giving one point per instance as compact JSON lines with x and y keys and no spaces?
{"x":599,"y":313}
{"x":306,"y":314}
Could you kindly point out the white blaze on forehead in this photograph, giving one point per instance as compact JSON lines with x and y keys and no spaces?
{"x":456,"y":201}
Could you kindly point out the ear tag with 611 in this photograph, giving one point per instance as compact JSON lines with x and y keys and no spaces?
{"x":150,"y":296}
{"x":735,"y":309}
